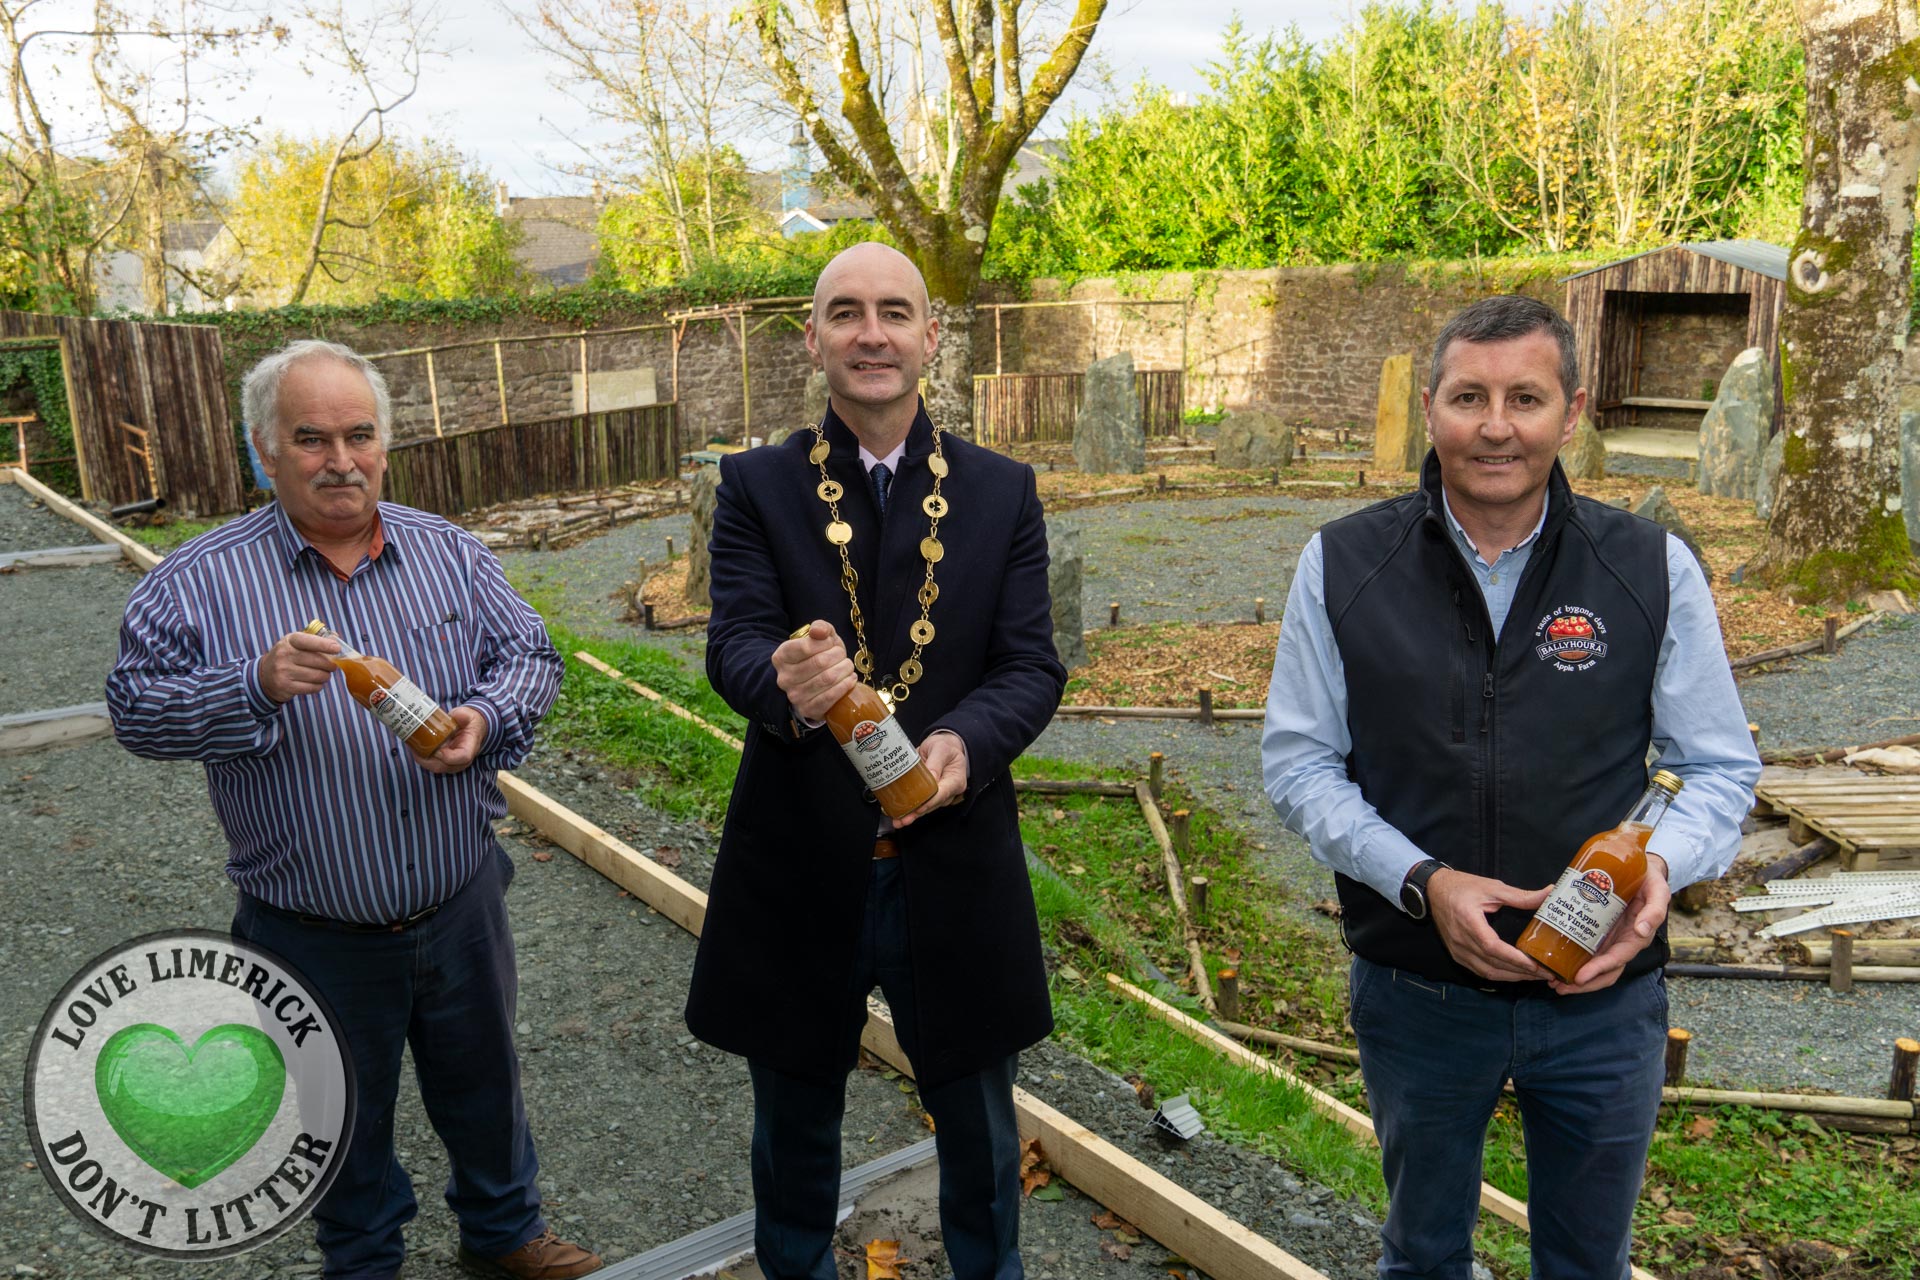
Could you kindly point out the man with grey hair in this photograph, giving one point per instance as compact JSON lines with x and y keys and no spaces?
{"x":1448,"y":766}
{"x":373,"y":871}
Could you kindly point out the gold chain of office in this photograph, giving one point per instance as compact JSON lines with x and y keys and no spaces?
{"x":840,"y":533}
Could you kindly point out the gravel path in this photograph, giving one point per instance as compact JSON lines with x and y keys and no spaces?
{"x":67,"y":621}
{"x":27,"y":526}
{"x":1868,"y":692}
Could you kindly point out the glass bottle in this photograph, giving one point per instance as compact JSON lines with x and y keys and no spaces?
{"x":880,"y":749}
{"x":395,"y":701}
{"x":1593,"y":892}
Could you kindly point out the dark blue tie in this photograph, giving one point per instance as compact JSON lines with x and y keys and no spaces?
{"x":881,"y":478}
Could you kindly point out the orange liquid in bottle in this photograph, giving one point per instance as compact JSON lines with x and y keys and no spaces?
{"x":394,"y":700}
{"x":880,"y":749}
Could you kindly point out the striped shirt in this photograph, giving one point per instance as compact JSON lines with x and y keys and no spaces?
{"x":325,"y":811}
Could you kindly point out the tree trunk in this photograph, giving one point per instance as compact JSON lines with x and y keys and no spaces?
{"x":1837,"y":527}
{"x":953,"y":280}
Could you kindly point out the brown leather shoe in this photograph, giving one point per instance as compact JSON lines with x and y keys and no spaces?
{"x":545,"y":1257}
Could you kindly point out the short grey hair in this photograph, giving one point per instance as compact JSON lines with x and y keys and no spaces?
{"x":260,"y":392}
{"x":1501,"y":319}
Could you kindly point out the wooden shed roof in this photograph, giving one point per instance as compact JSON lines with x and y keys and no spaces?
{"x":1757,"y":256}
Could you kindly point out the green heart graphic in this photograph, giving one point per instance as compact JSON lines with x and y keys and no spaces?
{"x":190,"y":1112}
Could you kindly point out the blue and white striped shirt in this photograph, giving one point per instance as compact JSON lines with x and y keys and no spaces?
{"x":325,"y":811}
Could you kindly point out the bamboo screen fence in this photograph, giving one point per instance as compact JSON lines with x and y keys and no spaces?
{"x":1021,"y":408}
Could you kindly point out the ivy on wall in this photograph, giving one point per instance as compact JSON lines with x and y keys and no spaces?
{"x":40,"y":369}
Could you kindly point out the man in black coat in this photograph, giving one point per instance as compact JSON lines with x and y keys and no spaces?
{"x":817,"y":897}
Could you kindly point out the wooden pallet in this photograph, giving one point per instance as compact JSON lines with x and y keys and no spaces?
{"x":1875,"y":820}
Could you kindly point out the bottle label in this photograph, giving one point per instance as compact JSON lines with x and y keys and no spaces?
{"x":881,"y":751}
{"x":403,"y":707}
{"x":1583,"y":906}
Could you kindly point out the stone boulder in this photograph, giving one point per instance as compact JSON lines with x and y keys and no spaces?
{"x":813,"y":405}
{"x":1769,"y":478}
{"x":706,"y":489}
{"x":1253,"y":440}
{"x":1910,"y":462}
{"x":1109,"y":436}
{"x":779,"y":434}
{"x":1659,"y":508}
{"x":1733,"y":435}
{"x":1399,"y":421}
{"x":1065,"y":577}
{"x":1585,"y":456}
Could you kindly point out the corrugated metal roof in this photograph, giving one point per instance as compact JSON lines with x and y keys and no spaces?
{"x":1757,"y":256}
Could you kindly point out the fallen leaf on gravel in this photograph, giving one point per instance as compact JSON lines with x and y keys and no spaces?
{"x":1702,"y":1127}
{"x":541,"y":855}
{"x":1049,"y":1193}
{"x":1678,"y":1218}
{"x":928,"y":1120}
{"x":1118,"y":1252}
{"x":667,"y":856}
{"x":1141,"y":1090}
{"x":1108,"y":1220}
{"x":1329,"y":907}
{"x":1056,"y":815}
{"x":884,"y":1260}
{"x":1032,"y":1175}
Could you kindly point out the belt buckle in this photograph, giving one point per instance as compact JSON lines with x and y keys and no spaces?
{"x":885,"y":847}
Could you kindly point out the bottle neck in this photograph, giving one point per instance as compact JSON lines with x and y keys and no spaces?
{"x":1651,"y":807}
{"x":346,"y":650}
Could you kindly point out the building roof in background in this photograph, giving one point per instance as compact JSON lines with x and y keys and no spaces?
{"x":559,"y":235}
{"x":192,"y":237}
{"x":1757,"y":256}
{"x":1032,"y":163}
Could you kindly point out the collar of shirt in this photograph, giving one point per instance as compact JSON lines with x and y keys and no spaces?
{"x":292,"y":543}
{"x":892,"y":460}
{"x":1473,"y":552}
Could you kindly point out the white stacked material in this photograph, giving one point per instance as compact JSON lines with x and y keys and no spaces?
{"x":1846,"y":897}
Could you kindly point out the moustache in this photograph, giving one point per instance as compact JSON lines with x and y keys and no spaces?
{"x":335,"y":479}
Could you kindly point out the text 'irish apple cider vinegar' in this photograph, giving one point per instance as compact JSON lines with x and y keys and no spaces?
{"x":395,"y":701}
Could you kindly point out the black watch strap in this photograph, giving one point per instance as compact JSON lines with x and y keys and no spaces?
{"x":1413,"y":890}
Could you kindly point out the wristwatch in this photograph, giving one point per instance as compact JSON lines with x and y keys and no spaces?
{"x":1413,"y":890}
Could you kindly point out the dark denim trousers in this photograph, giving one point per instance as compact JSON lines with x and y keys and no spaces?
{"x":1586,"y":1071}
{"x":445,"y":987}
{"x":796,"y":1131}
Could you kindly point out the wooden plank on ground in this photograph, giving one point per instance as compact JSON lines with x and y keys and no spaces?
{"x":144,"y":557}
{"x":54,"y":557}
{"x":34,"y":730}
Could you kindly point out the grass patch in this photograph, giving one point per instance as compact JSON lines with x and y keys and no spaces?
{"x":169,"y":534}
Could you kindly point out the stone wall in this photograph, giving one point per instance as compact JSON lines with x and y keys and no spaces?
{"x":1304,"y":341}
{"x":1685,"y":347}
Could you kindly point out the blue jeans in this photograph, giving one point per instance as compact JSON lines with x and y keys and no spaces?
{"x":447,"y":988}
{"x":796,"y":1130}
{"x":1586,"y":1071}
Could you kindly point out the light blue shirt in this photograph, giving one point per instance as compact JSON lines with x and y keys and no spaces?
{"x":1699,"y":727}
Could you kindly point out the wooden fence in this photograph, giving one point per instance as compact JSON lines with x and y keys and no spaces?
{"x":168,"y":380}
{"x":468,"y":470}
{"x":1020,"y":408}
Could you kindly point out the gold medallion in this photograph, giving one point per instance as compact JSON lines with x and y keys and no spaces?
{"x":818,"y":454}
{"x":921,"y":632}
{"x":929,"y":592}
{"x":830,"y":491}
{"x":934,"y":505}
{"x":937,"y":465}
{"x":863,"y":662}
{"x":930,"y":550}
{"x":909,"y":672}
{"x":839,"y":533}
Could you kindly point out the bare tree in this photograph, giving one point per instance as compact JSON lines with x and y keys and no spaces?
{"x":1837,"y":526}
{"x":381,"y":57}
{"x":835,"y":66}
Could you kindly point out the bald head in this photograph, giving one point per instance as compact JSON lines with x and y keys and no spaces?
{"x":865,"y":270}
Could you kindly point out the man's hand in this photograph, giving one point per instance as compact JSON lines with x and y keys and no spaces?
{"x":1460,"y":904}
{"x":945,"y":756}
{"x":458,"y":751}
{"x":297,"y":664}
{"x":814,"y":671}
{"x":1645,"y":913}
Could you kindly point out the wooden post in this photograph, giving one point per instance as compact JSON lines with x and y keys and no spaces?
{"x":1206,"y":708}
{"x":1181,"y":831}
{"x":1830,"y":635}
{"x":1906,"y":1054}
{"x":669,"y":550}
{"x":1259,"y":608}
{"x":1230,"y":994}
{"x":546,"y":537}
{"x":1163,"y":482}
{"x":500,"y":380}
{"x":1840,"y":968}
{"x":1156,"y":765}
{"x":1201,"y":887}
{"x":996,"y":341}
{"x":433,"y":391}
{"x":1360,"y":479}
{"x":647,"y":616}
{"x":1276,"y":476}
{"x":586,"y":383}
{"x":1677,"y":1042}
{"x":1753,"y":731}
{"x":1113,"y":613}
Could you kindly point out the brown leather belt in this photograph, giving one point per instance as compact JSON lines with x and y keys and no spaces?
{"x":884,"y":847}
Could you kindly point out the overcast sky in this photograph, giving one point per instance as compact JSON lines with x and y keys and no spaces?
{"x":492,"y":97}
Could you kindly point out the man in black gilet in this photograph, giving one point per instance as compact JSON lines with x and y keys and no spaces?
{"x":1445,"y":749}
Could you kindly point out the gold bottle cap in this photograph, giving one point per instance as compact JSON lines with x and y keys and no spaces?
{"x":314,"y":628}
{"x":1667,"y":782}
{"x":800,"y":631}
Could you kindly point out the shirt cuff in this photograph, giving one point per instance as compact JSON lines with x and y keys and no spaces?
{"x":1681,"y":853}
{"x":489,"y":713}
{"x":258,"y":702}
